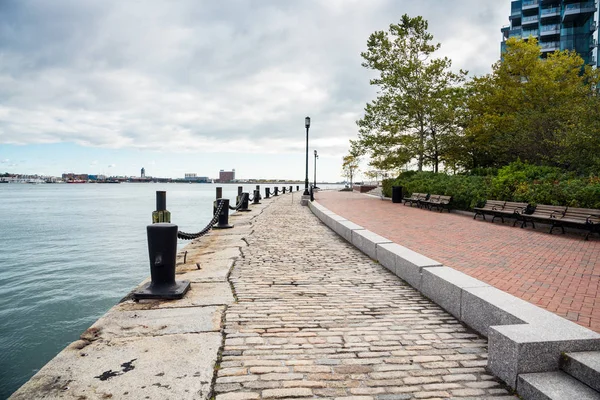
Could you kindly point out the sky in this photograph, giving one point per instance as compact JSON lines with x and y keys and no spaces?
{"x":196,"y":86}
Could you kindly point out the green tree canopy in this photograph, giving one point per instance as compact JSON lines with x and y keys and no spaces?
{"x":541,"y":111}
{"x":415,"y":113}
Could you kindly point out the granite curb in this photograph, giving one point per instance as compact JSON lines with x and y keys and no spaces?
{"x":522,"y":338}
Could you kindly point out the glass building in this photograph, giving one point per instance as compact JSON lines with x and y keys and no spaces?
{"x":557,"y":25}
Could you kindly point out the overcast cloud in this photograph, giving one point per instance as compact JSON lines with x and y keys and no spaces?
{"x":205,"y":76}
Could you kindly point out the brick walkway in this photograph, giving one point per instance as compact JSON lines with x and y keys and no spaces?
{"x":560,"y":273}
{"x":314,"y":317}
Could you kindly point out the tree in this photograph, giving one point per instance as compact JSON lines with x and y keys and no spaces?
{"x":350,"y":164}
{"x":414,"y":110}
{"x":541,"y":111}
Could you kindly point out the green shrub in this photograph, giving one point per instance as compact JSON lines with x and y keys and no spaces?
{"x":517,"y":181}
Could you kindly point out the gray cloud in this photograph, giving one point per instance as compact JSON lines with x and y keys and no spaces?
{"x":208,"y":76}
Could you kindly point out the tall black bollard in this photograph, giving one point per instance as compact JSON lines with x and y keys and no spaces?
{"x":256,"y":199}
{"x":238,"y":197}
{"x":283,"y":190}
{"x":291,"y":189}
{"x":162,"y":248}
{"x":276,"y":191}
{"x":312,"y":193}
{"x":219,"y":196}
{"x":297,"y":188}
{"x":244,"y":206}
{"x":223,"y":222}
{"x":258,"y":190}
{"x":267,"y":193}
{"x":161,"y":214}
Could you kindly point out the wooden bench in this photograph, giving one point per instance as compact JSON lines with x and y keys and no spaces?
{"x":545,"y":214}
{"x":511,"y":209}
{"x":433,"y":198}
{"x":416,"y":198}
{"x":439,"y":201}
{"x":585,"y":218}
{"x":490,"y":207}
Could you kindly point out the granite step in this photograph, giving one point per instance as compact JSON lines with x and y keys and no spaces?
{"x":556,"y":385}
{"x":583,"y":365}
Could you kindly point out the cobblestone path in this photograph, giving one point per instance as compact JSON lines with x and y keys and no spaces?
{"x":317,"y":318}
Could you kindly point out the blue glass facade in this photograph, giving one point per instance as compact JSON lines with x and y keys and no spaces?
{"x":557,"y":25}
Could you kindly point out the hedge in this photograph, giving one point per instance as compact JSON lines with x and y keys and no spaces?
{"x":515,"y":182}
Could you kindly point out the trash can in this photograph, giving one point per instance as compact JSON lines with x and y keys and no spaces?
{"x":396,"y":194}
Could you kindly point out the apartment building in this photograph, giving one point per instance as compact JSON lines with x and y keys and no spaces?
{"x":557,"y":25}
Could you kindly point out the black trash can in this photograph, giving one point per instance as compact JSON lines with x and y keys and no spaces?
{"x":396,"y":194}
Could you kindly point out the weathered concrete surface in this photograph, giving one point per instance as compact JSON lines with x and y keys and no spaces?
{"x":119,"y":323}
{"x":317,"y":318}
{"x":159,"y":367}
{"x":154,"y":349}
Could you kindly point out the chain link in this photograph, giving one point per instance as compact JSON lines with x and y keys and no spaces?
{"x":239,"y":205}
{"x":207,"y":228}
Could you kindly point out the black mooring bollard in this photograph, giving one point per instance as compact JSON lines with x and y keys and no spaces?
{"x":223,"y":222}
{"x":244,"y":206}
{"x":256,"y":199}
{"x":297,"y":188}
{"x":276,"y":191}
{"x":161,"y":214}
{"x":283,"y":190}
{"x":267,"y":193}
{"x":162,"y":249}
{"x":219,"y":195}
{"x":291,"y":189}
{"x":312,"y":193}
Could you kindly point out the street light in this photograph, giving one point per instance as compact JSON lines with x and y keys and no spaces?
{"x":307,"y":125}
{"x":316,"y":156}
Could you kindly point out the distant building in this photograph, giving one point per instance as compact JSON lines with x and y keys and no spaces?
{"x":226,"y":176}
{"x":143,"y":173}
{"x":195,"y":178}
{"x":557,"y":25}
{"x":71,"y":177}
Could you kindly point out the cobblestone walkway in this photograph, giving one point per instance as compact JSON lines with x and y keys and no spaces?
{"x":317,"y":318}
{"x":560,"y":273}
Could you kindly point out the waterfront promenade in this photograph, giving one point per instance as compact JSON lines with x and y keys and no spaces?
{"x":280,"y":307}
{"x":558,"y":272}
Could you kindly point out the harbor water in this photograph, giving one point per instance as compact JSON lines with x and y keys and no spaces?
{"x":70,"y":252}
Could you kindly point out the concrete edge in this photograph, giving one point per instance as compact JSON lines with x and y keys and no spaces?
{"x":522,"y":338}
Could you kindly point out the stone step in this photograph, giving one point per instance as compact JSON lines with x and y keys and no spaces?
{"x":583,"y":365}
{"x":555,"y":385}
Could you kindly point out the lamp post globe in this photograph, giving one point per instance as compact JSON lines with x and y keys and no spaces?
{"x":307,"y":125}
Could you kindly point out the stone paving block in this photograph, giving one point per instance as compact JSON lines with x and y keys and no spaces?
{"x":367,"y":241}
{"x":213,"y":271}
{"x":487,"y":306}
{"x":445,"y":285}
{"x":118,"y":323}
{"x":554,"y":385}
{"x":585,"y":366}
{"x":331,"y":220}
{"x":200,"y":294}
{"x":528,"y":348}
{"x":344,"y":228}
{"x":170,"y":366}
{"x":407,"y":263}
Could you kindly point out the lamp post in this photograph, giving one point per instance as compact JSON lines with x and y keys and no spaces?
{"x":316,"y":156}
{"x":307,"y":125}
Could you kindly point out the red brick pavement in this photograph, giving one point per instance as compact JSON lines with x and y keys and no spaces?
{"x":560,"y":273}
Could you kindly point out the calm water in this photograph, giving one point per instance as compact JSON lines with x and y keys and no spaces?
{"x":70,"y":252}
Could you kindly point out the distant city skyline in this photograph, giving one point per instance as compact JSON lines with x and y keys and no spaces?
{"x":108,"y":86}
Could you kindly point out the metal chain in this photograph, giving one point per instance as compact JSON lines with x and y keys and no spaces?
{"x":239,"y":205}
{"x":207,"y":228}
